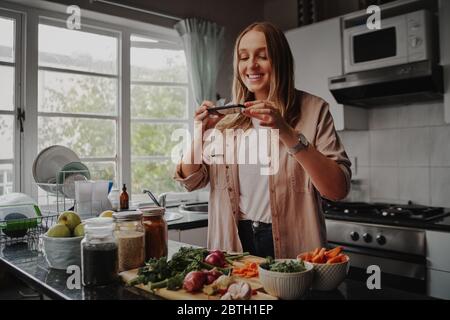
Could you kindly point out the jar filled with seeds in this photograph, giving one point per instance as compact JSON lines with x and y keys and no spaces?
{"x":130,"y":239}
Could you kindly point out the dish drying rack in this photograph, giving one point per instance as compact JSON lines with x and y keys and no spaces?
{"x":52,"y":200}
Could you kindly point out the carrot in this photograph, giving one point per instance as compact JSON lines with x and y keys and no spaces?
{"x":250,"y":270}
{"x":316,"y":252}
{"x":336,"y":259}
{"x":333,"y":252}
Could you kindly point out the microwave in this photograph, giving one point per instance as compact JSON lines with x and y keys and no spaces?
{"x":400,"y":40}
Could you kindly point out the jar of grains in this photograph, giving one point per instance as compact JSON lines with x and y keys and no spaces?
{"x":156,"y":233}
{"x":99,"y":252}
{"x":130,"y":239}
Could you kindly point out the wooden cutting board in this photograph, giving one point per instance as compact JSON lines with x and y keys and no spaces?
{"x":184,"y":295}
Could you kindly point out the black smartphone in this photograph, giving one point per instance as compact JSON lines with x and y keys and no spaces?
{"x":228,"y":109}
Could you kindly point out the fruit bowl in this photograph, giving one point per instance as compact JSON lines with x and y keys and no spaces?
{"x":62,"y":252}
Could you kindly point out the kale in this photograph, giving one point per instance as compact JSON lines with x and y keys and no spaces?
{"x":161,"y":273}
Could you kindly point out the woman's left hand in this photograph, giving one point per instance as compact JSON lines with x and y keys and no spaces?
{"x":268,"y":114}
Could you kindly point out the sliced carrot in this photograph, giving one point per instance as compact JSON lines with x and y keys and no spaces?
{"x":316,"y":252}
{"x":336,"y":259}
{"x":333,"y":252}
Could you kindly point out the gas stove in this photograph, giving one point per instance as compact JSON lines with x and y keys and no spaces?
{"x":391,"y":236}
{"x":382,"y":212}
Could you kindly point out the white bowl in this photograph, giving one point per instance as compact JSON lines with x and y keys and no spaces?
{"x":61,"y":253}
{"x":328,"y":277}
{"x":287,"y":286}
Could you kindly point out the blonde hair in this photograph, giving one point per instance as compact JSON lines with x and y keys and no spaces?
{"x":282,"y":86}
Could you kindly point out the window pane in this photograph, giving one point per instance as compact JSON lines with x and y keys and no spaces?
{"x":7,"y":40}
{"x":6,"y":178}
{"x":158,"y":102}
{"x":6,"y":137}
{"x":160,"y":65}
{"x":64,"y":92}
{"x":87,"y":137}
{"x":6,"y":88}
{"x":102,"y":170}
{"x":153,"y":139}
{"x":77,"y":50}
{"x":156,"y":176}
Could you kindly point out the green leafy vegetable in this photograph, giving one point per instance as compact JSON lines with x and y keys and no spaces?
{"x":283,"y":266}
{"x":161,"y":273}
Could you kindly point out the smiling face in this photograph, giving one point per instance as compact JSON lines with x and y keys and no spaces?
{"x":253,"y":63}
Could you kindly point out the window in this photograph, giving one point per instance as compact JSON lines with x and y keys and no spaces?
{"x":8,"y":102}
{"x":78,"y":85}
{"x":159,"y":104}
{"x":101,"y":89}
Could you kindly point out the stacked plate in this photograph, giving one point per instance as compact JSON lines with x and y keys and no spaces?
{"x":56,"y":169}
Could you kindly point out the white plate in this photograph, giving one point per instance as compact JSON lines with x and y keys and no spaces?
{"x":50,"y":161}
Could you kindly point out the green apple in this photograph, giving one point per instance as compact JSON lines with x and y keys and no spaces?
{"x":70,"y":218}
{"x":59,"y":231}
{"x":78,"y":231}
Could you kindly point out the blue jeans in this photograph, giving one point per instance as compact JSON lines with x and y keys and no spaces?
{"x":256,"y":238}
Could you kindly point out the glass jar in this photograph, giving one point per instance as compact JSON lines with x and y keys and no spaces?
{"x":156,"y":233}
{"x":99,"y":252}
{"x":130,"y":239}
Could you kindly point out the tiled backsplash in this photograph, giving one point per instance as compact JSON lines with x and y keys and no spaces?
{"x":405,"y":155}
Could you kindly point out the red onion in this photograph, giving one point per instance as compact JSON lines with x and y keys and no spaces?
{"x":194,"y":281}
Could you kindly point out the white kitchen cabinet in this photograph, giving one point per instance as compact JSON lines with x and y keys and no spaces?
{"x":438,"y":284}
{"x":174,"y":235}
{"x":444,"y":33}
{"x":196,"y":236}
{"x":317,"y":53}
{"x":438,"y":264}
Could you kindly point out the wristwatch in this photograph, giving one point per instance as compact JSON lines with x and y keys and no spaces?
{"x":301,"y":145}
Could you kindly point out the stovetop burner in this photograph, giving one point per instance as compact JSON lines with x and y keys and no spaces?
{"x":383,"y":211}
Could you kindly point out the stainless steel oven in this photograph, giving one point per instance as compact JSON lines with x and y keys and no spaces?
{"x":398,"y":252}
{"x":390,"y":236}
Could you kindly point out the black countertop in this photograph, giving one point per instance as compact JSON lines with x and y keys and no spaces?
{"x":32,"y":268}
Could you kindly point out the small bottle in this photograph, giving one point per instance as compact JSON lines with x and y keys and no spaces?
{"x":124,"y":198}
{"x":114,"y":198}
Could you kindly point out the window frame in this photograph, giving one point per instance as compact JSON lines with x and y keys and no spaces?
{"x":157,"y":121}
{"x":55,"y":22}
{"x":18,"y":97}
{"x":30,"y":14}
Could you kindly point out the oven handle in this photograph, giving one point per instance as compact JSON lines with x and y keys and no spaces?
{"x":380,"y":253}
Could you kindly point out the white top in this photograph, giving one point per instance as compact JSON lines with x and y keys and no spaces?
{"x":254,"y":200}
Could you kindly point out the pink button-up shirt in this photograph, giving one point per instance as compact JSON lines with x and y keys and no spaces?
{"x":298,"y":224}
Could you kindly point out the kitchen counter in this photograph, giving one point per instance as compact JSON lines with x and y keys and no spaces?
{"x":189,"y":220}
{"x":31,"y":267}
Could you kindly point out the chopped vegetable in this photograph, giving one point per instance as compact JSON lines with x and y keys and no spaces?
{"x":161,"y":273}
{"x":250,"y":270}
{"x":283,"y":266}
{"x":321,"y":255}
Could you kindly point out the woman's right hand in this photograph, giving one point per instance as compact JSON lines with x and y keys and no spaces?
{"x":207,"y":119}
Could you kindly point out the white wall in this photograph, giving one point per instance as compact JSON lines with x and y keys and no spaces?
{"x":405,"y":155}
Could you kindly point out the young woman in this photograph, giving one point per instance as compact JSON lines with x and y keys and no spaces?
{"x":279,"y":214}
